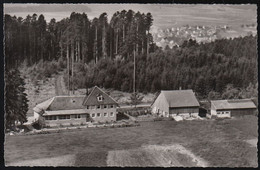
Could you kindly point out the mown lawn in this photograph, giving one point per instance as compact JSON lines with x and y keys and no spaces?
{"x":220,"y":142}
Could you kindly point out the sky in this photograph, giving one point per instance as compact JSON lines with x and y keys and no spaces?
{"x":164,"y":15}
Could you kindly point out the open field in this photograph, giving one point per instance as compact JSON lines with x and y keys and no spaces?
{"x":221,"y":143}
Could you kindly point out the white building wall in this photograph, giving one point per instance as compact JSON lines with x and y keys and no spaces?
{"x":219,"y":113}
{"x":213,"y":112}
{"x":36,"y":115}
{"x":223,"y":114}
{"x":160,"y":106}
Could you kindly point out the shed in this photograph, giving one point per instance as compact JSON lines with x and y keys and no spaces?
{"x":176,"y":102}
{"x":230,"y":108}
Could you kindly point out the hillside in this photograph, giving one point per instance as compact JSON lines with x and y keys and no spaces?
{"x":225,"y":68}
{"x":221,"y":143}
{"x":39,"y":90}
{"x":102,"y":53}
{"x":221,"y":69}
{"x":38,"y":93}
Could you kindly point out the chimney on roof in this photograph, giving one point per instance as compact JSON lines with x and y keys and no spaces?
{"x":180,"y":88}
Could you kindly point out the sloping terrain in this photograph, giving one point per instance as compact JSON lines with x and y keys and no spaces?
{"x":38,"y":93}
{"x":155,"y":155}
{"x":214,"y":143}
{"x":66,"y":160}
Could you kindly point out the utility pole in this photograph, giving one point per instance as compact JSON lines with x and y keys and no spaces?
{"x":134,"y":72}
{"x":72,"y":62}
{"x":95,"y":44}
{"x":111,"y":38}
{"x":116,"y":40}
{"x":147,"y":46}
{"x":68,"y":67}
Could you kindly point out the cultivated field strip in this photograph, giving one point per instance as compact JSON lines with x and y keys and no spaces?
{"x":66,"y":160}
{"x":155,"y":155}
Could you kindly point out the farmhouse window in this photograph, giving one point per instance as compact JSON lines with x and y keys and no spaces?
{"x":105,"y":114}
{"x":98,"y":114}
{"x":64,"y":116}
{"x":50,"y":117}
{"x":100,"y":98}
{"x":105,"y":106}
{"x":87,"y":107}
{"x":111,"y":106}
{"x":93,"y":115}
{"x":98,"y":106}
{"x":77,"y":116}
{"x":111,"y":114}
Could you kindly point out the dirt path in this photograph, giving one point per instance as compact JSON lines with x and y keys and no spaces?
{"x":60,"y":88}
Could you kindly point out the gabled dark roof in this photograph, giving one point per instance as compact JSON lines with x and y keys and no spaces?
{"x":60,"y":103}
{"x":233,"y":104}
{"x":74,"y":102}
{"x":180,"y":98}
{"x":91,"y":99}
{"x":66,"y":103}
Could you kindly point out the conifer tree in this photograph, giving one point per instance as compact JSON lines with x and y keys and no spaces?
{"x":136,"y":98}
{"x":16,"y":102}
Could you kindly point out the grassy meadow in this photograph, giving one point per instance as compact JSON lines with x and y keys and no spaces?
{"x":222,"y":143}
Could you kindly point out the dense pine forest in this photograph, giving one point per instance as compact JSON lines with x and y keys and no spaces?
{"x":76,"y":38}
{"x":44,"y":48}
{"x":101,"y":52}
{"x":221,"y":69}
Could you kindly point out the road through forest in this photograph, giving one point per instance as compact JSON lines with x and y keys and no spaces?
{"x":60,"y":89}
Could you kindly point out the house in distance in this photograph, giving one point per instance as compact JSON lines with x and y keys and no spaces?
{"x":231,"y":108}
{"x":171,"y":103}
{"x":98,"y":106}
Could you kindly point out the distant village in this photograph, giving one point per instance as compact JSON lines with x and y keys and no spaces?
{"x":174,"y":37}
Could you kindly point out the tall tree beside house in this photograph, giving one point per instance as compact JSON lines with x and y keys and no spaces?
{"x":148,"y":24}
{"x":94,"y":39}
{"x":41,"y":39}
{"x":103,"y":25}
{"x":85,"y":42}
{"x":16,"y":102}
{"x":114,"y":23}
{"x":136,"y":98}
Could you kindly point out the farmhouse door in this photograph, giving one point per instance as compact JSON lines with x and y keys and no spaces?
{"x":88,"y":118}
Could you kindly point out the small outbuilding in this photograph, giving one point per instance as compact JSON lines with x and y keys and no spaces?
{"x":231,"y":108}
{"x":171,"y":103}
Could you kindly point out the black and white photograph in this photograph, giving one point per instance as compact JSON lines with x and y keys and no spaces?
{"x":130,"y":85}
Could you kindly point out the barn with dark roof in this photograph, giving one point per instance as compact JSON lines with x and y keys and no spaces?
{"x":66,"y":110}
{"x":176,"y":102}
